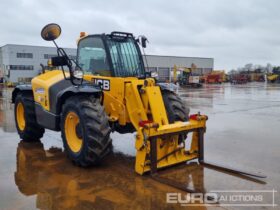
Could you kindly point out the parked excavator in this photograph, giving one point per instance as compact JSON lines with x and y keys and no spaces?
{"x":109,"y":90}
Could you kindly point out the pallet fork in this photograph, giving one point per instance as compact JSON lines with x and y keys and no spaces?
{"x":198,"y":135}
{"x":160,"y":144}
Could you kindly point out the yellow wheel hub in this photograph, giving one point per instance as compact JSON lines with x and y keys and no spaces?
{"x":20,"y":116}
{"x":73,"y":140}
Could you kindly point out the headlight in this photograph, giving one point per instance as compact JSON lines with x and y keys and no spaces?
{"x":78,"y":74}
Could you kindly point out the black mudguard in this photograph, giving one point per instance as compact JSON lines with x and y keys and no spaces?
{"x":73,"y":90}
{"x":18,"y":88}
{"x":167,"y":86}
{"x":58,"y":94}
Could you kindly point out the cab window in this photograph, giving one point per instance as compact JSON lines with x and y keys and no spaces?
{"x":92,"y":57}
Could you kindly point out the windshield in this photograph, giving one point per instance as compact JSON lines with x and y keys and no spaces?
{"x":92,"y":57}
{"x":125,"y":56}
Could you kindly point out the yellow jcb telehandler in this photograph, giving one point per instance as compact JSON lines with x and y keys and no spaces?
{"x":108,"y":89}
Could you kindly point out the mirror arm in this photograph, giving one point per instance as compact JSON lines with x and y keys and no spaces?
{"x":61,"y":52}
{"x":55,"y":44}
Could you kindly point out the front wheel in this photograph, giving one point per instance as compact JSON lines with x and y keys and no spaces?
{"x":85,"y":130}
{"x":175,"y":107}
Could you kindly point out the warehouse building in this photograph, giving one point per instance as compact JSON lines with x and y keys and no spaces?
{"x":22,"y":62}
{"x":19,"y":63}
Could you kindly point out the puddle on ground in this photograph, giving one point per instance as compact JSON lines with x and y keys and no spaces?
{"x":41,"y":176}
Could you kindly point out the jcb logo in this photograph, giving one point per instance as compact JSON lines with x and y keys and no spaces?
{"x":103,"y":83}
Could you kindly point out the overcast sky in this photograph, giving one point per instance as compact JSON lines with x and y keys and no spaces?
{"x":232,"y":32}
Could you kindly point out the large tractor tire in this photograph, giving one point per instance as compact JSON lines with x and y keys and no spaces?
{"x":175,"y":107}
{"x":28,"y":128}
{"x":85,"y":130}
{"x":176,"y":110}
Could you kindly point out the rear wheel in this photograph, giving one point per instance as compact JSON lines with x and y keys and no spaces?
{"x":85,"y":130}
{"x":25,"y":117}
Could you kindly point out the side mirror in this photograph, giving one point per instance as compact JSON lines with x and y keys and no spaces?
{"x":144,"y":41}
{"x":51,"y":32}
{"x":58,"y":61}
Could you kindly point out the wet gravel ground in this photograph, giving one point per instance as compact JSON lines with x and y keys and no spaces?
{"x":242,"y":132}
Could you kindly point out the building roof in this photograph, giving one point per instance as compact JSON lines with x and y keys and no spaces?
{"x":25,"y":45}
{"x":173,"y":56}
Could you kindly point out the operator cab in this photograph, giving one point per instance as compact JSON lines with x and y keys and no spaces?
{"x":116,"y":54}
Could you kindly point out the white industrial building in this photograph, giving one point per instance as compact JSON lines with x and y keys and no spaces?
{"x":20,"y":62}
